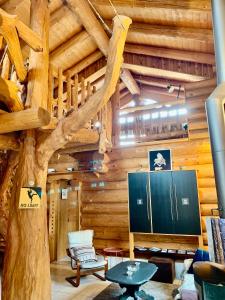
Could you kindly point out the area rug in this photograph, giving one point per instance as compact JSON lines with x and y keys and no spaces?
{"x":160,"y":291}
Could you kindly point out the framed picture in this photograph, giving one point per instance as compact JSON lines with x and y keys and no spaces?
{"x":160,"y":160}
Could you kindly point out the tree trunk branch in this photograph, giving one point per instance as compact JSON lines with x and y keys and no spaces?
{"x":69,"y":125}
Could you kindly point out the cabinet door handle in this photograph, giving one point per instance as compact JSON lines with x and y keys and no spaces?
{"x":175,"y":192}
{"x":148,"y":213}
{"x":171,"y":204}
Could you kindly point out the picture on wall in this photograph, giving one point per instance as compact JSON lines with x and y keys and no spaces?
{"x":160,"y":160}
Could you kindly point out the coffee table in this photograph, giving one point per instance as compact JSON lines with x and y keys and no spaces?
{"x":144,"y":273}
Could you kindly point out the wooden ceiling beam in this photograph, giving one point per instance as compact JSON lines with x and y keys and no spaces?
{"x":198,"y":57}
{"x":176,"y":13}
{"x":91,"y":24}
{"x":163,"y":91}
{"x":157,"y":72}
{"x":87,"y":61}
{"x":167,"y":4}
{"x":96,"y":31}
{"x":159,"y":82}
{"x":130,"y":82}
{"x":69,"y":52}
{"x":183,"y":38}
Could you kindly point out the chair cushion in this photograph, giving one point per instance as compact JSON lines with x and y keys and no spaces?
{"x":95,"y":264}
{"x":80,"y":238}
{"x":83,"y":254}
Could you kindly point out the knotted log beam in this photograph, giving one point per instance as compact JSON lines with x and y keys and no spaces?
{"x":9,"y":29}
{"x":24,"y":119}
{"x":9,"y":95}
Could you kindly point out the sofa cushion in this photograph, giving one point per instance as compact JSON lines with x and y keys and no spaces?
{"x":94,"y":264}
{"x":200,"y":255}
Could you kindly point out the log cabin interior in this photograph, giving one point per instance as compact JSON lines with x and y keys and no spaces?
{"x":112,"y":149}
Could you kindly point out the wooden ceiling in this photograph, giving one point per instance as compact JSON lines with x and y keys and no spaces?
{"x":168,"y":39}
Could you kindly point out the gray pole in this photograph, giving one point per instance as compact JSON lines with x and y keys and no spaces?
{"x":218,"y":14}
{"x":215,"y":104}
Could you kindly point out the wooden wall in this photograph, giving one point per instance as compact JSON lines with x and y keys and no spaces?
{"x":105,"y":208}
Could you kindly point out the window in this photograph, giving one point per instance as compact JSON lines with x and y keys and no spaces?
{"x":127,"y":143}
{"x":146,"y":116}
{"x":122,"y":120}
{"x":182,"y":111}
{"x":163,"y":114}
{"x":130,"y":119}
{"x":155,"y":115}
{"x":172,"y":113}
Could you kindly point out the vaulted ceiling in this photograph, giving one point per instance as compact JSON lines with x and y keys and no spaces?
{"x":168,"y":40}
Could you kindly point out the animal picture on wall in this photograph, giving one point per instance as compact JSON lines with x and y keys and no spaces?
{"x":160,"y":160}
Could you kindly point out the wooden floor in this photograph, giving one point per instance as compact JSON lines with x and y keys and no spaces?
{"x":89,"y":287}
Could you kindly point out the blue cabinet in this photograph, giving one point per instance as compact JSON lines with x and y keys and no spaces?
{"x":164,"y":202}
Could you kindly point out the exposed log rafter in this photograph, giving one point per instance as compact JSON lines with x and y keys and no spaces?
{"x":95,"y":30}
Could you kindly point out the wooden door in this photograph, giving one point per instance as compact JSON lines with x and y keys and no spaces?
{"x":64,"y":216}
{"x":162,"y":203}
{"x":139,"y":208}
{"x":186,"y":203}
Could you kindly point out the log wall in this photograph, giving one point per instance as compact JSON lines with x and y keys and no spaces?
{"x":105,"y":208}
{"x":104,"y":200}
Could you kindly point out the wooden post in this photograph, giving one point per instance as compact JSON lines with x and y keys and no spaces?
{"x":115,"y":115}
{"x":39,"y":61}
{"x":83,"y":91}
{"x":131,"y":245}
{"x":60,"y":93}
{"x":75,"y":93}
{"x":69,"y":92}
{"x":50,"y":91}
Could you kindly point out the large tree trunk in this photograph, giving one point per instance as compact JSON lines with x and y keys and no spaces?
{"x":5,"y":192}
{"x":26,"y":273}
